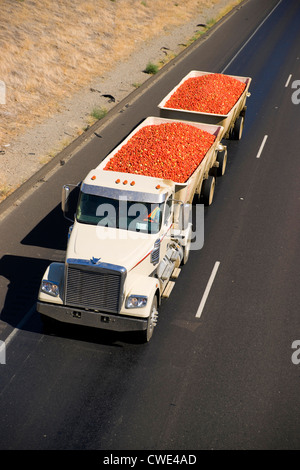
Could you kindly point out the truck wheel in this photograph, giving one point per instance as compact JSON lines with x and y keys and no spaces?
{"x":238,"y":128}
{"x":208,"y":189}
{"x":222,"y":159}
{"x":152,"y":320}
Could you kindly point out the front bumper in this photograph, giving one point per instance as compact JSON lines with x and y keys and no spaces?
{"x":105,"y":321}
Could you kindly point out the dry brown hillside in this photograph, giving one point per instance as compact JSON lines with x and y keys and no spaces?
{"x":51,"y":48}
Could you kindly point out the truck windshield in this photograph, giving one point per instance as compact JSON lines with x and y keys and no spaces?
{"x":135,"y":216}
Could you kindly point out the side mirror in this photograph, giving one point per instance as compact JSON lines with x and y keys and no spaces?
{"x":65,"y":198}
{"x":69,"y":200}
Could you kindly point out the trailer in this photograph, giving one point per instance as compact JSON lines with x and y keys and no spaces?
{"x":232,"y":122}
{"x":201,"y":183}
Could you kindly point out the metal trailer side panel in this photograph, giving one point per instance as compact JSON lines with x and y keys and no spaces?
{"x":185,"y":191}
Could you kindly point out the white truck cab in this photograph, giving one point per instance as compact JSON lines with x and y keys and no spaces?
{"x":121,"y":254}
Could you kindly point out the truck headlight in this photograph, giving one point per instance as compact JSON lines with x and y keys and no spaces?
{"x":50,"y":288}
{"x":136,"y":301}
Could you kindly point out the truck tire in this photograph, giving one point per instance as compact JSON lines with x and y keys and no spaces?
{"x":208,"y":189}
{"x":152,"y":320}
{"x":222,"y":159}
{"x":238,"y":128}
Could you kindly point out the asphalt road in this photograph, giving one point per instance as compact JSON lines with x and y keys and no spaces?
{"x":224,"y":380}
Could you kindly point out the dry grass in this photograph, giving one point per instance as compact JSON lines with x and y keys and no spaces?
{"x":50,"y":49}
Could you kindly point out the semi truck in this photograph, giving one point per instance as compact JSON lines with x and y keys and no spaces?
{"x":130,"y":237}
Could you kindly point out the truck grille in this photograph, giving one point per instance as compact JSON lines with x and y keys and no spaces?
{"x":93,"y":287}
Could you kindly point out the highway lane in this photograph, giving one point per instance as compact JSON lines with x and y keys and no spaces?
{"x":223,"y":381}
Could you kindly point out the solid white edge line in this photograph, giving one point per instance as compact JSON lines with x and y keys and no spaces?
{"x":248,"y":40}
{"x":261,"y":146}
{"x":207,"y":290}
{"x":288,"y":81}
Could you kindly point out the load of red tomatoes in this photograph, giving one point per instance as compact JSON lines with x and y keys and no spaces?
{"x":170,"y":151}
{"x":210,"y":93}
